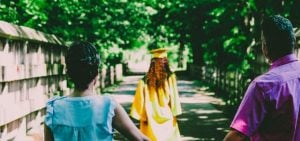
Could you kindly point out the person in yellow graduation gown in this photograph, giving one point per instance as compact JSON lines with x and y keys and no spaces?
{"x":156,"y":102}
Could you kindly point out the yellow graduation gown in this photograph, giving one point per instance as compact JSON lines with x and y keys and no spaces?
{"x":157,"y":110}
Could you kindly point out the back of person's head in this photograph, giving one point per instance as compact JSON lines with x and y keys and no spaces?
{"x":158,"y":72}
{"x":82,"y":61}
{"x":279,"y":36}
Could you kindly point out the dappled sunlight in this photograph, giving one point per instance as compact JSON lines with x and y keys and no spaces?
{"x":201,"y":111}
{"x":184,"y":82}
{"x":200,"y":99}
{"x":226,"y":130}
{"x":183,"y":138}
{"x":131,"y":79}
{"x":182,"y":119}
{"x":184,"y":86}
{"x":203,"y":89}
{"x":128,"y":86}
{"x":194,"y":100}
{"x":123,"y":98}
{"x":220,"y":119}
{"x":121,"y":89}
{"x":197,"y":139}
{"x":209,"y":93}
{"x":203,"y":117}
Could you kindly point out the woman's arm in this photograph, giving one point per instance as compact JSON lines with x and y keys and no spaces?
{"x":48,"y":136}
{"x":234,"y":135}
{"x":125,"y":126}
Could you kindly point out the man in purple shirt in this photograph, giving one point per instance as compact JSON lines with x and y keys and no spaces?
{"x":270,"y":108}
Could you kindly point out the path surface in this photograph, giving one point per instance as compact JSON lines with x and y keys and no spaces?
{"x":200,"y":121}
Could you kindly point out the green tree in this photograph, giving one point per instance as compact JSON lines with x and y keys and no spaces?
{"x":105,"y":23}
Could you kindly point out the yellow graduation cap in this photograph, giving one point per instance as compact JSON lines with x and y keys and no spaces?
{"x":159,"y":53}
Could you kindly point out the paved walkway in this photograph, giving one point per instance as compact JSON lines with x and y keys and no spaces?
{"x":200,"y":121}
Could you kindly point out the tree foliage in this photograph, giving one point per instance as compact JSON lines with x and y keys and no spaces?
{"x":107,"y":24}
{"x":220,"y":33}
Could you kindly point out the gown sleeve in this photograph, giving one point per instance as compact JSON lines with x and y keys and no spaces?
{"x":174,"y":101}
{"x":138,"y":106}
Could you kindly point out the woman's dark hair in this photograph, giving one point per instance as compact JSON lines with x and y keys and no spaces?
{"x":158,"y":72}
{"x":279,"y":36}
{"x":82,"y":62}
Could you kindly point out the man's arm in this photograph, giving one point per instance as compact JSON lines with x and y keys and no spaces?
{"x":235,"y":135}
{"x":249,"y":115}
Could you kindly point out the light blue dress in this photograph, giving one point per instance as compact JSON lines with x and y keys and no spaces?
{"x":86,"y":118}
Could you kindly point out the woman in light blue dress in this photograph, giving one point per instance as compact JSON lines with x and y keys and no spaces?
{"x":84,"y":115}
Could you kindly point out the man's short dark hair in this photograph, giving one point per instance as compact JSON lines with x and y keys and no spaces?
{"x":279,"y":36}
{"x":82,"y":61}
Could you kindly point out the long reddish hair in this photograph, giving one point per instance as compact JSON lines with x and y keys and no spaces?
{"x":158,"y":72}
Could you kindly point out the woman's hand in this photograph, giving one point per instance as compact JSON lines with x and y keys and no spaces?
{"x":125,"y":126}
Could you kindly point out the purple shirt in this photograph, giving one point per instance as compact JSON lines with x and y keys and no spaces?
{"x":269,"y":110}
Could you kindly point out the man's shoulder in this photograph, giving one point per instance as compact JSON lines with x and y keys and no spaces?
{"x":281,"y":74}
{"x":268,"y":77}
{"x":278,"y":76}
{"x":267,"y":81}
